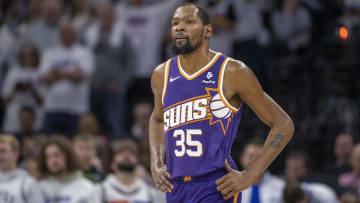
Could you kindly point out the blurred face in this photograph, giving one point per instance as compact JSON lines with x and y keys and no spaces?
{"x":26,"y":121}
{"x":8,"y":157}
{"x":35,"y":6}
{"x":188,"y":31}
{"x":250,"y":153}
{"x":29,"y":57}
{"x":67,"y":34}
{"x":55,"y":159}
{"x":88,"y":124}
{"x":348,"y":198}
{"x":52,"y":11}
{"x":106,"y":16}
{"x":295,"y":168}
{"x":29,"y":147}
{"x":125,"y":161}
{"x":85,"y":151}
{"x":355,"y":159}
{"x":344,"y":145}
{"x":142,"y":114}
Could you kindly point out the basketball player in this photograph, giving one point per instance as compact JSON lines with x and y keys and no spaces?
{"x":198,"y":99}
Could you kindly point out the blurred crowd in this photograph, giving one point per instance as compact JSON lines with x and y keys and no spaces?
{"x":76,"y":96}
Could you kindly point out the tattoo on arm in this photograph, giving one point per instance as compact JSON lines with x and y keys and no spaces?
{"x":276,"y":142}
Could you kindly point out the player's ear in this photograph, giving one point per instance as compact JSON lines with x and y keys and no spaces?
{"x":208,"y":30}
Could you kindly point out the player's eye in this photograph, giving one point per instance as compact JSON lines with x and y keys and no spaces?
{"x":190,"y":21}
{"x":175,"y":23}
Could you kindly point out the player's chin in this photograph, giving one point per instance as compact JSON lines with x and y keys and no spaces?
{"x":180,"y":43}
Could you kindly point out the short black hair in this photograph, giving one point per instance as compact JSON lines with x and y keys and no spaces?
{"x":202,"y":12}
{"x":293,"y":192}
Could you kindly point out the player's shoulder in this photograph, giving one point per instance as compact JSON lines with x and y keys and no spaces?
{"x":236,"y":68}
{"x":160,"y":69}
{"x":157,"y":78}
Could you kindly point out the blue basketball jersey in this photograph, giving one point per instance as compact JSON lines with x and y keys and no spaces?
{"x":199,"y":123}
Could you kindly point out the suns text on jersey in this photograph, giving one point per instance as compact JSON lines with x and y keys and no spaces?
{"x":185,"y":112}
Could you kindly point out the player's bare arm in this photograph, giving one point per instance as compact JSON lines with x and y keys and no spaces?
{"x":156,"y":134}
{"x":241,"y":85}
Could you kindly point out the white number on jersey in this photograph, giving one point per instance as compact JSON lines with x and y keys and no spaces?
{"x":189,"y":142}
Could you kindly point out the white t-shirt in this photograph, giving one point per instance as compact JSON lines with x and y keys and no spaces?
{"x":270,"y":190}
{"x":64,"y":95}
{"x":73,"y":189}
{"x":249,"y":23}
{"x":293,"y":28}
{"x":111,"y":190}
{"x":145,"y":27}
{"x":319,"y":192}
{"x":19,"y":187}
{"x":20,"y":75}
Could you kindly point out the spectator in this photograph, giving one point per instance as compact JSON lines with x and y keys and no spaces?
{"x":80,"y":14}
{"x":90,"y":163}
{"x":348,"y":195}
{"x":142,"y":112}
{"x":251,"y":38}
{"x":27,"y":122}
{"x":21,"y":88}
{"x":30,"y":150}
{"x":124,"y":184}
{"x":296,"y":166}
{"x":145,"y":26}
{"x":61,"y":180}
{"x":113,"y":69}
{"x":343,"y":147}
{"x":88,"y":124}
{"x":44,"y":33}
{"x":295,"y":192}
{"x":263,"y":189}
{"x":223,"y":19}
{"x":292,"y":25}
{"x":15,"y":184}
{"x":352,"y":179}
{"x":8,"y":29}
{"x":65,"y":71}
{"x":34,"y":15}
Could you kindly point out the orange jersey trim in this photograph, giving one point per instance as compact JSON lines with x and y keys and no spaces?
{"x":236,"y":197}
{"x":220,"y":82}
{"x":165,"y":80}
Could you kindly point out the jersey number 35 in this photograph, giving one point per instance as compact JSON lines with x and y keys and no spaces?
{"x":187,"y":142}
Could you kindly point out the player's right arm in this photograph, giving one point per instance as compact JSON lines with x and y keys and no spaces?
{"x":156,"y":133}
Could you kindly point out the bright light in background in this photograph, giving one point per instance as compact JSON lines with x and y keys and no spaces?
{"x":343,"y":33}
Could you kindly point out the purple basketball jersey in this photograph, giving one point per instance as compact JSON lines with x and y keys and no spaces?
{"x":199,"y":123}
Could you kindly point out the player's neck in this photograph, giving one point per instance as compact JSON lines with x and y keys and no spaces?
{"x":194,"y":61}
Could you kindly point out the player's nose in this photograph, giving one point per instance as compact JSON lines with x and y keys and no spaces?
{"x":180,"y":27}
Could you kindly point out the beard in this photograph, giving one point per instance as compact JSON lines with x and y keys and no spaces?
{"x":187,"y":48}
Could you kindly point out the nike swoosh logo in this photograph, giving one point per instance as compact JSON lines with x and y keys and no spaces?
{"x":173,"y":79}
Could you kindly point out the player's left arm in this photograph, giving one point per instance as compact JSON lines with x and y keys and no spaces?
{"x":241,"y":85}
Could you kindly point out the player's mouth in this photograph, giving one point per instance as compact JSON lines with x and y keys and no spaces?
{"x":180,"y":37}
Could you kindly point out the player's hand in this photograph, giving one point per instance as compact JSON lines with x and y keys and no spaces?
{"x":160,"y":177}
{"x":233,"y":182}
